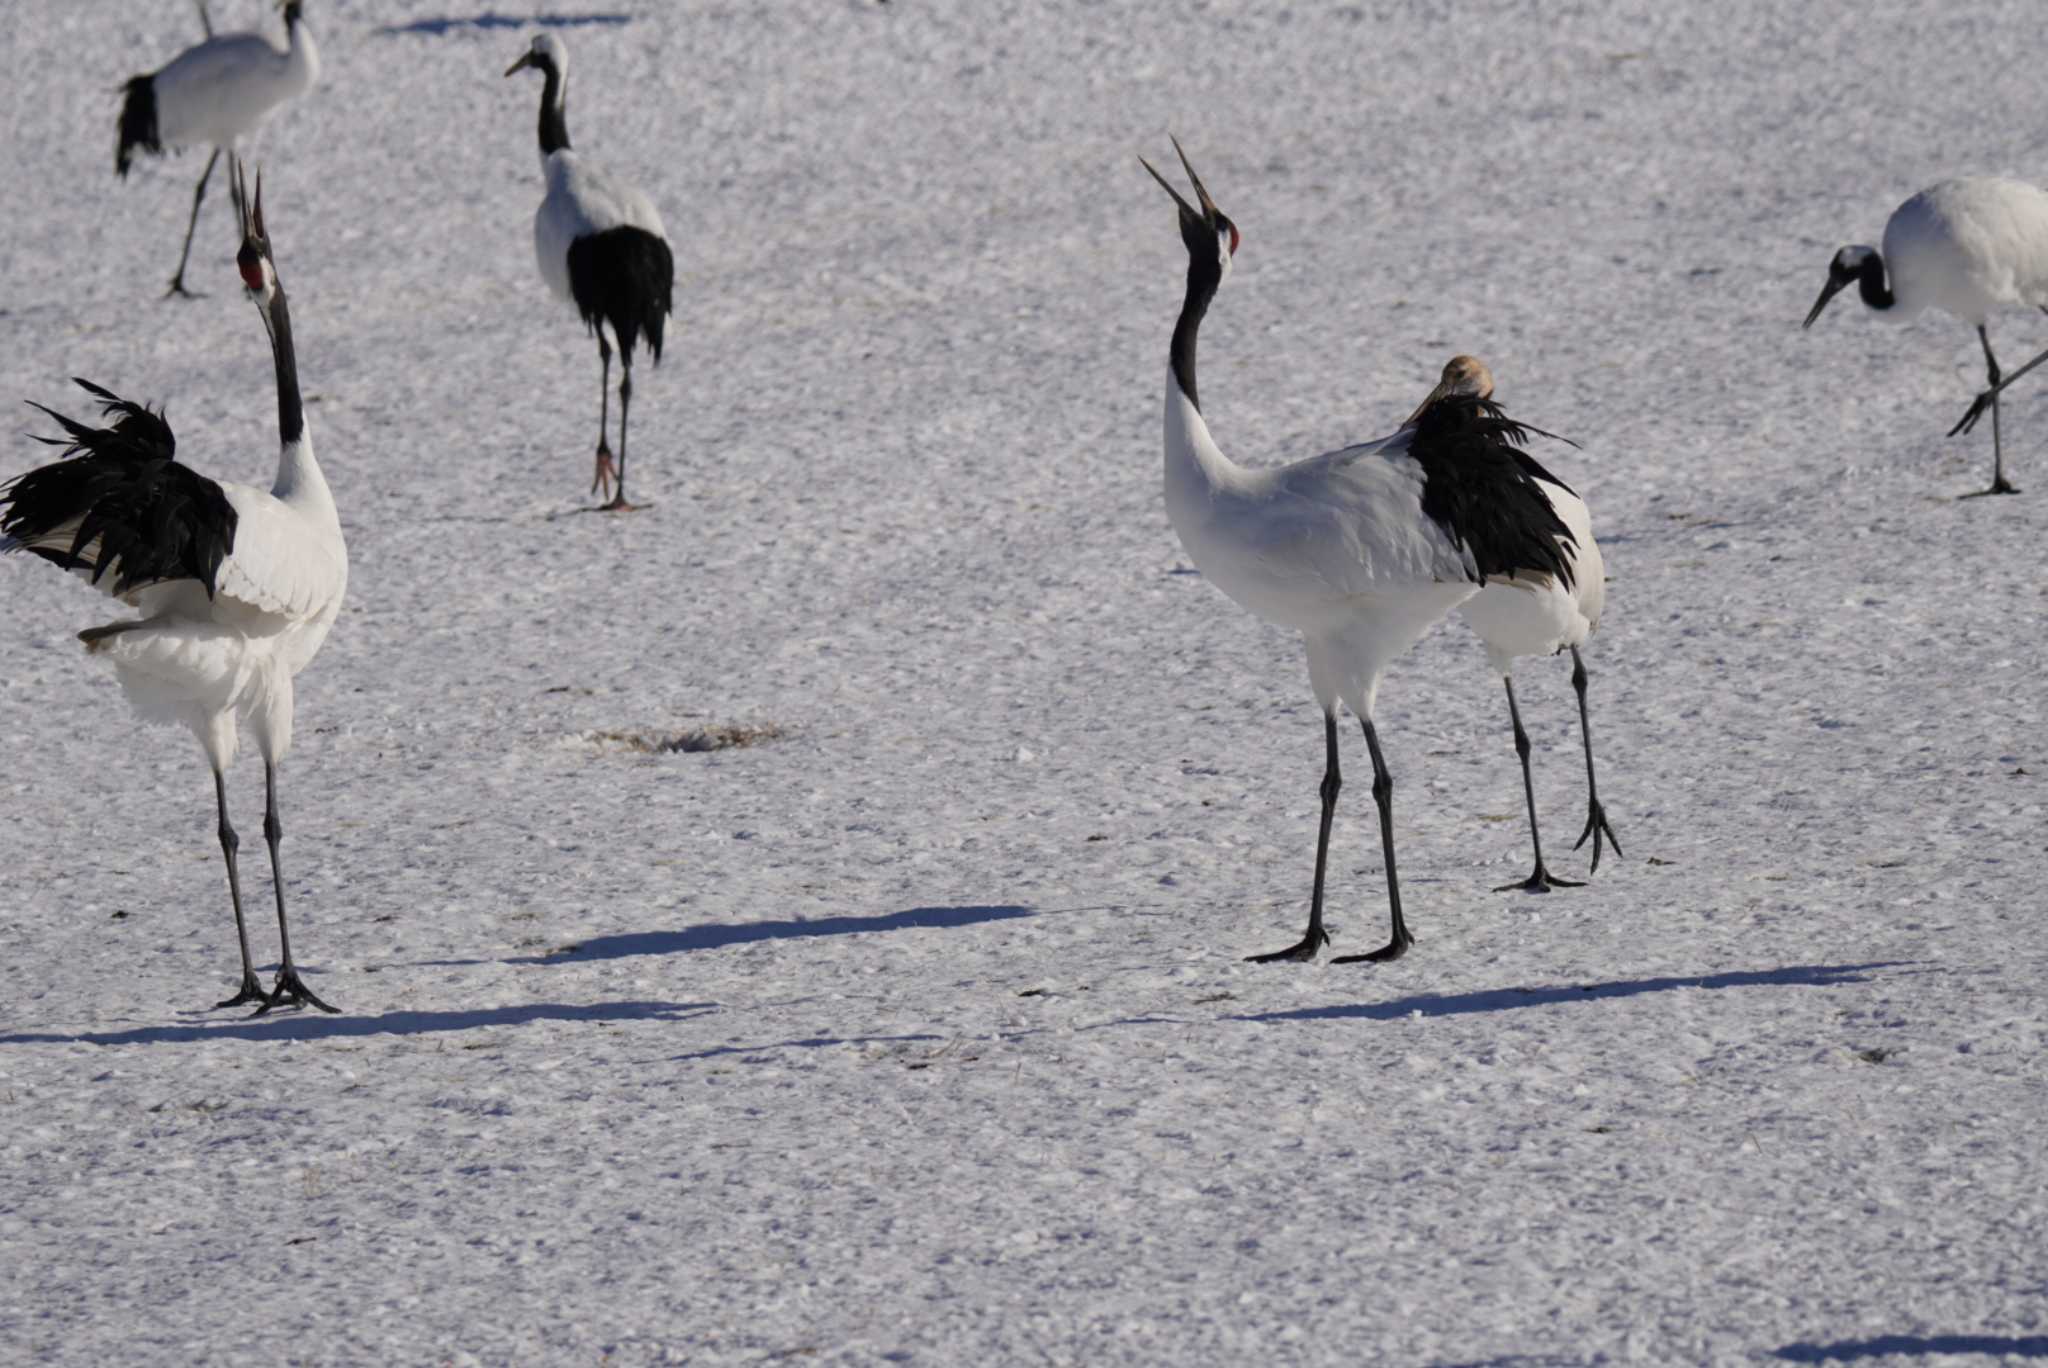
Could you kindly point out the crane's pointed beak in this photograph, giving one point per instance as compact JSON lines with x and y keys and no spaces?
{"x":1201,"y":191}
{"x":1443,"y":387}
{"x":1828,"y":291}
{"x":525,"y":61}
{"x":1185,"y":207}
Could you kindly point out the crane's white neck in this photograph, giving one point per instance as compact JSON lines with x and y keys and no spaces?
{"x":1196,"y":468}
{"x":302,"y":56}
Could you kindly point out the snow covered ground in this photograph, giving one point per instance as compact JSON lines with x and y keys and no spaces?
{"x":922,"y":1034}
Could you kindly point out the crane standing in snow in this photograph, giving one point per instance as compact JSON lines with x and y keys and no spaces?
{"x":214,"y":92}
{"x":1538,"y":616}
{"x":602,"y":247}
{"x":1967,"y":246}
{"x":236,"y":587}
{"x":1361,"y":550}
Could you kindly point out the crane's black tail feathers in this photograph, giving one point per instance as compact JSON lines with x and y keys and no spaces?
{"x":138,"y":123}
{"x":1481,"y":487}
{"x":120,"y":505}
{"x":624,"y":277}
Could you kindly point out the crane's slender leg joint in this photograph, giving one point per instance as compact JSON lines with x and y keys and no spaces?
{"x":290,"y":990}
{"x":251,"y":990}
{"x":1542,"y":880}
{"x":1383,"y":796}
{"x":1596,"y":816}
{"x":601,"y":479}
{"x":185,"y":253}
{"x":1333,"y":782}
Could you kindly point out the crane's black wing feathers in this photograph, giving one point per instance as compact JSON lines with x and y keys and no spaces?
{"x":1483,"y":490}
{"x":135,"y":514}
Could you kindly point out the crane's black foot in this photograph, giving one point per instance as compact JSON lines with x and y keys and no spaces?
{"x":1392,"y":950}
{"x":251,"y":991}
{"x":1596,"y":827}
{"x":2000,"y":485}
{"x":291,"y":991}
{"x":1301,"y":952}
{"x":618,"y":504}
{"x":1541,"y":881}
{"x":1978,"y":407}
{"x":178,"y":290}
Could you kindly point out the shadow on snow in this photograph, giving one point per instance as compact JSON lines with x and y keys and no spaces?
{"x":491,"y":19}
{"x":1508,"y":999}
{"x":2022,"y":1346}
{"x":717,"y":936}
{"x":309,"y":1027}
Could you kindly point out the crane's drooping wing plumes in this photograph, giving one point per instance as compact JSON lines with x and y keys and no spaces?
{"x":120,"y":510}
{"x":1482,"y":489}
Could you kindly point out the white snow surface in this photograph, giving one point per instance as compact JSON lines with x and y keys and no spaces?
{"x":922,"y":1034}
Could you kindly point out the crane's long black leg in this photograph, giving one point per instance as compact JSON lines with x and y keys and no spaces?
{"x":601,"y":479}
{"x":185,"y":253}
{"x":1333,"y":781}
{"x":289,"y":990}
{"x":1999,"y":484}
{"x":625,"y":414}
{"x":1383,"y":795}
{"x":251,"y":990}
{"x":1596,"y":816}
{"x":1542,"y":880}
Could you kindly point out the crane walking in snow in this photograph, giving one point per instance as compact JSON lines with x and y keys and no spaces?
{"x":214,"y":92}
{"x":1360,"y":550}
{"x":1539,"y":615}
{"x":1967,"y":246}
{"x":602,"y":247}
{"x":236,"y":587}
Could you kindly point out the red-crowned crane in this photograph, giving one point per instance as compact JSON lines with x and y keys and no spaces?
{"x":234,"y":587}
{"x":602,"y":247}
{"x":214,"y":92}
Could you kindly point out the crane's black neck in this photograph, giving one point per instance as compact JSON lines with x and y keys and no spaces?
{"x":1870,"y":283}
{"x":291,"y":413}
{"x":1204,"y":275}
{"x":554,"y":111}
{"x":292,"y":17}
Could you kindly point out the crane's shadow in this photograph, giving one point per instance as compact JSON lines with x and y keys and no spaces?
{"x":1511,"y":999}
{"x":719,"y":935}
{"x":1885,"y":1346}
{"x":309,"y":1026}
{"x":491,"y":19}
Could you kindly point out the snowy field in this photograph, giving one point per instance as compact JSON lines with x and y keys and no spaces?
{"x":921,"y":1033}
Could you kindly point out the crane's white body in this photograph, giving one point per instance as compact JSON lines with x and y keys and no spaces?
{"x":221,"y":89}
{"x":1522,"y":617}
{"x":1969,"y":246}
{"x":210,"y":663}
{"x":1336,"y":547}
{"x":583,"y":199}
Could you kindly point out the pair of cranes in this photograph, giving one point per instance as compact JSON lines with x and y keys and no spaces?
{"x":600,"y":241}
{"x":1361,"y":550}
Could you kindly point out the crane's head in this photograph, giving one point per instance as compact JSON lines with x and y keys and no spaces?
{"x":292,"y":10}
{"x":1849,"y":266}
{"x":259,"y":271}
{"x":1207,"y":232}
{"x":1464,"y":377}
{"x":547,"y":55}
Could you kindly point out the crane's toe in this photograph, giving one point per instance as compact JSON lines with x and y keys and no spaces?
{"x":1392,"y":950}
{"x":250,"y":991}
{"x":1596,"y":827}
{"x":1300,"y":952}
{"x":291,"y":991}
{"x":602,"y":474}
{"x":1540,"y":881}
